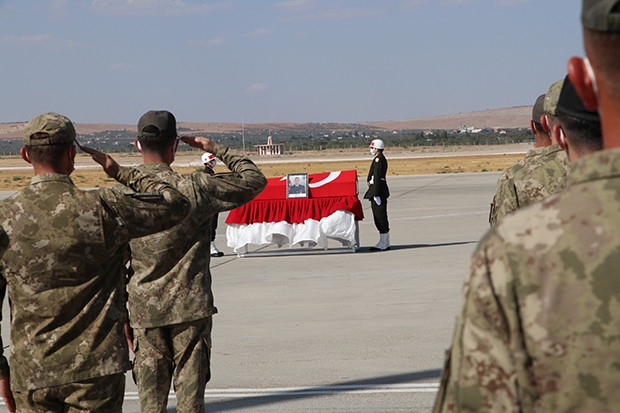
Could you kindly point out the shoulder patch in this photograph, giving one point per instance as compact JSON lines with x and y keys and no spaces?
{"x":376,"y":159}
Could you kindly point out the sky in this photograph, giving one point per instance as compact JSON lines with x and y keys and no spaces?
{"x":257,"y":61}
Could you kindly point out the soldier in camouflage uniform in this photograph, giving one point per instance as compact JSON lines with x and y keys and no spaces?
{"x":5,"y":386}
{"x":541,"y":173}
{"x":65,"y":270}
{"x":539,"y":327}
{"x":170,"y":298}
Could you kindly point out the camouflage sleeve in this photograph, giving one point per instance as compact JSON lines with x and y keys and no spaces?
{"x":505,"y":200}
{"x":545,"y":176}
{"x":493,"y":212}
{"x":148,"y":185}
{"x":225,"y":191}
{"x":153,"y":207}
{"x":481,"y":373}
{"x":4,"y":364}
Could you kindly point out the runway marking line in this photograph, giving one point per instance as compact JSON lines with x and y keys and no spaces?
{"x":314,"y":390}
{"x":308,"y":391}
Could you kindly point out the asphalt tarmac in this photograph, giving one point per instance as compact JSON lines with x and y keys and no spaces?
{"x":345,"y":332}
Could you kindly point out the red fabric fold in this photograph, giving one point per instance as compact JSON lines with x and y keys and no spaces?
{"x":294,"y":211}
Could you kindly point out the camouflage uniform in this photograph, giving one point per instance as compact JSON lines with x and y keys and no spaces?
{"x":215,"y":218}
{"x":65,"y":269}
{"x":170,"y":297}
{"x":540,"y":324}
{"x":541,"y":173}
{"x":4,"y":243}
{"x":102,"y":394}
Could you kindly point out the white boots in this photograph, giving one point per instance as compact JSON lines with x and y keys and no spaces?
{"x":215,"y":252}
{"x":383,"y":244}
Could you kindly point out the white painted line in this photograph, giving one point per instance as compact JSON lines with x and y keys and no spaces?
{"x":310,"y":391}
{"x":462,"y":214}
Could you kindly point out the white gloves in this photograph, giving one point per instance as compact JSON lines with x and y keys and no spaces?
{"x":377,"y":200}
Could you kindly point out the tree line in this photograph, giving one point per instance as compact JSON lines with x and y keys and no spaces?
{"x":306,"y":140}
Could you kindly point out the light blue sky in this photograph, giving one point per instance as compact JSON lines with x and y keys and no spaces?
{"x":282,"y":61}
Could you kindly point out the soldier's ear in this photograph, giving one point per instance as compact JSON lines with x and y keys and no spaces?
{"x":136,"y":143}
{"x":559,"y":132}
{"x":582,"y":77}
{"x":24,"y":153}
{"x":544,"y":121}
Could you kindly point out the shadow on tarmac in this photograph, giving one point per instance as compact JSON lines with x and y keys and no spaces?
{"x":414,"y":246}
{"x":264,"y":252}
{"x":247,"y":402}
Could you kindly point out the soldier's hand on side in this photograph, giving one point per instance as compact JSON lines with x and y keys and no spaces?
{"x":110,"y":166}
{"x":7,"y":394}
{"x":129,"y":336}
{"x":201,"y":142}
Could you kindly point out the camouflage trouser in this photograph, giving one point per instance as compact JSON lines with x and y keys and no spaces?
{"x":179,"y":353}
{"x":101,"y":395}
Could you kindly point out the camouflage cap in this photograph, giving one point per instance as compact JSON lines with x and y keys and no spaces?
{"x":551,"y":98}
{"x":571,"y":104}
{"x":601,"y":15}
{"x":157,"y":124}
{"x":58,"y":128}
{"x":538,"y":108}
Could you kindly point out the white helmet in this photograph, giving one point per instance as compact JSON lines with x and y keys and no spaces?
{"x":377,"y":144}
{"x":207,"y":157}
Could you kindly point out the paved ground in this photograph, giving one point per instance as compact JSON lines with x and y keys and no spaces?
{"x":362,"y":332}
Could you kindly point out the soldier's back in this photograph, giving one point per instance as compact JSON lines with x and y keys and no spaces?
{"x":60,"y":270}
{"x":541,"y":175}
{"x":558,"y":260}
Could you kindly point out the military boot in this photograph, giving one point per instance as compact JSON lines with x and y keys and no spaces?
{"x":215,"y":252}
{"x":383,"y":244}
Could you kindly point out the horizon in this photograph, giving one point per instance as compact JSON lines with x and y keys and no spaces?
{"x":493,"y":113}
{"x":293,"y":61}
{"x":289,"y":122}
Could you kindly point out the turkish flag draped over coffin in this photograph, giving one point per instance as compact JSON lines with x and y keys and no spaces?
{"x":327,"y":192}
{"x":324,"y":184}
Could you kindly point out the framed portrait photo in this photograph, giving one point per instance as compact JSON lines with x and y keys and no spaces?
{"x":297,"y":185}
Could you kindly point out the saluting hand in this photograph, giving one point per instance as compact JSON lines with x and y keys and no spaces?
{"x":201,"y":142}
{"x":110,"y":166}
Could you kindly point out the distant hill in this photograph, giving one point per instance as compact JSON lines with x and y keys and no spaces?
{"x":507,"y":118}
{"x":515,"y":117}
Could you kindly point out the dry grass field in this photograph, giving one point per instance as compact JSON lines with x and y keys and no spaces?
{"x":402,"y":166}
{"x":15,"y":173}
